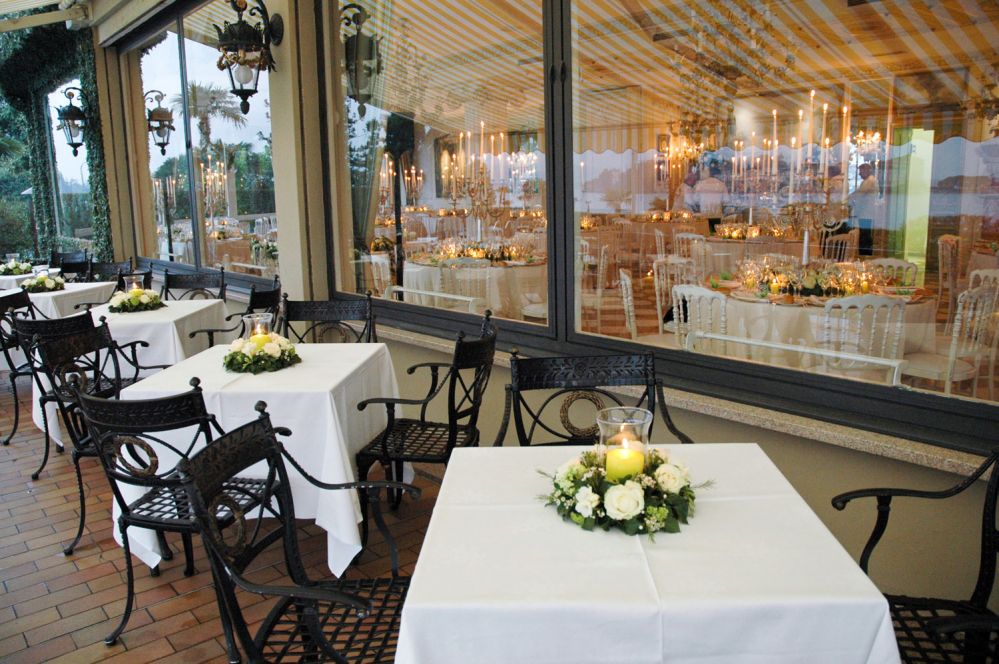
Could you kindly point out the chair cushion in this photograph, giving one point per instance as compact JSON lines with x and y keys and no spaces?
{"x":934,"y":367}
{"x":912,"y":617}
{"x":412,"y":440}
{"x":373,"y":638}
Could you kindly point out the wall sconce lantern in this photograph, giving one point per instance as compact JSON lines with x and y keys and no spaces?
{"x":362,"y":56}
{"x":246,"y":49}
{"x":72,"y":120}
{"x":159,"y":120}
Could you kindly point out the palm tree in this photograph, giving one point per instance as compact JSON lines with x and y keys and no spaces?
{"x":207,"y":101}
{"x":10,"y":147}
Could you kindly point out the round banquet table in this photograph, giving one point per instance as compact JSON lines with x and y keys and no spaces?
{"x":509,"y":288}
{"x":724,"y":255}
{"x":802,"y":325}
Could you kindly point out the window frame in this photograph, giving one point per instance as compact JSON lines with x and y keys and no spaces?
{"x":946,"y":421}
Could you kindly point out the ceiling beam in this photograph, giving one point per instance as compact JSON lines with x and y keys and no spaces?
{"x":74,"y":13}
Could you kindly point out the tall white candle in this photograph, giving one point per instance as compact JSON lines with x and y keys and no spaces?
{"x":804,"y":249}
{"x":773,"y":144}
{"x":845,"y":149}
{"x":811,"y":116}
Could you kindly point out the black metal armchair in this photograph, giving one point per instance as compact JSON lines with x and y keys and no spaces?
{"x":943,"y":630}
{"x":109,"y":271}
{"x":421,"y":440}
{"x":139,"y":442}
{"x":324,"y":318}
{"x":260,"y":301}
{"x":343,"y":620}
{"x":194,"y":285}
{"x":15,"y":304}
{"x":568,"y":380}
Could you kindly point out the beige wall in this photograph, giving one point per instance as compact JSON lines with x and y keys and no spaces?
{"x":931,"y":547}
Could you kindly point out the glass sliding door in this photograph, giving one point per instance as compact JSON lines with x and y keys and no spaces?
{"x":445,"y":143}
{"x":807,"y":184}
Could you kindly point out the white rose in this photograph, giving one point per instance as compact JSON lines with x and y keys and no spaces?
{"x":624,"y":501}
{"x":566,"y":473}
{"x":144,"y":299}
{"x":272,"y":349}
{"x":250,"y":349}
{"x":236,"y":346}
{"x":283,"y":343}
{"x":586,"y":501}
{"x":49,"y":283}
{"x":274,"y":336}
{"x":671,"y":477}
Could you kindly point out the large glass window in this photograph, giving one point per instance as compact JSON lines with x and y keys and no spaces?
{"x":805,"y":183}
{"x":445,"y":140}
{"x":73,"y":205}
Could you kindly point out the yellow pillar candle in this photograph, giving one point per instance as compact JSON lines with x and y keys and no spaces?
{"x":865,"y":287}
{"x":260,"y":337}
{"x":623,"y":462}
{"x":774,"y":287}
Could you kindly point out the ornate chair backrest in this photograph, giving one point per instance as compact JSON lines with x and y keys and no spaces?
{"x":569,"y":381}
{"x":104,"y":271}
{"x":975,"y":307}
{"x":329,"y":317}
{"x":60,"y":257}
{"x":870,"y":325}
{"x":948,"y":250}
{"x":27,"y":330}
{"x":696,"y":308}
{"x":660,"y":244}
{"x":231,"y":541}
{"x":15,"y":304}
{"x":83,"y":362}
{"x":677,"y":229}
{"x":628,"y":301}
{"x":990,"y":279}
{"x":125,"y":279}
{"x":194,"y":285}
{"x":141,"y":441}
{"x":381,"y":274}
{"x":901,"y":272}
{"x":841,"y":248}
{"x":471,"y":366}
{"x":688,"y":245}
{"x":75,"y":271}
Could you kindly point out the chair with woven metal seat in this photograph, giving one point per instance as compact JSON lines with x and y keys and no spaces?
{"x":425,"y":441}
{"x":342,"y":620}
{"x":139,"y":443}
{"x":260,"y":301}
{"x":329,"y":319}
{"x":934,"y":629}
{"x":566,"y":381}
{"x":194,"y":285}
{"x":14,"y":304}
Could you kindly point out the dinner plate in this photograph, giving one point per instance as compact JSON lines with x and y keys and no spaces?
{"x":729,"y":283}
{"x":747,"y":297}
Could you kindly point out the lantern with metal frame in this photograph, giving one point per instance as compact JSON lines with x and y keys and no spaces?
{"x":362,"y":56}
{"x":246,"y":49}
{"x":72,"y":120}
{"x":159,"y":120}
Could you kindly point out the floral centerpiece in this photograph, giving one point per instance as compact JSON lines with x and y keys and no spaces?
{"x":135,"y":299}
{"x":656,"y":498}
{"x":14,"y":267}
{"x":382,"y":244}
{"x":262,"y":351}
{"x":43,"y":283}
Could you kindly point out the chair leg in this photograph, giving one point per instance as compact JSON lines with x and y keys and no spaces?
{"x":83,"y":507}
{"x":166,"y":553}
{"x":397,"y":493}
{"x":363,"y":466}
{"x":17,"y":409}
{"x":188,"y":554}
{"x":230,"y":641}
{"x":112,"y":638}
{"x":48,"y":445}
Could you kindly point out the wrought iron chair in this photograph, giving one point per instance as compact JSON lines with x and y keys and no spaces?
{"x":76,"y":263}
{"x":109,"y":271}
{"x":568,"y":380}
{"x":942,"y":630}
{"x":260,"y":301}
{"x":15,"y":304}
{"x":423,"y":441}
{"x":194,"y":285}
{"x":139,"y":442}
{"x":328,"y":317}
{"x":58,"y":257}
{"x":312,"y":621}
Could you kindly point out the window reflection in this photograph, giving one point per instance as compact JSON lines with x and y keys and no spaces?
{"x":773,"y":161}
{"x":74,"y":205}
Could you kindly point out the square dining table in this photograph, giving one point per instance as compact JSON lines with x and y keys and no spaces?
{"x":753,"y":577}
{"x":317,"y":399}
{"x":63,"y":303}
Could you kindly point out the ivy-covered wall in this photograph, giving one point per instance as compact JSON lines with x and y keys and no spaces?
{"x":33,"y":63}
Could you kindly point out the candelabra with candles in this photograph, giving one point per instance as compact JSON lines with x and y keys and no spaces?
{"x":413,"y":181}
{"x":165,"y":200}
{"x":214,"y":189}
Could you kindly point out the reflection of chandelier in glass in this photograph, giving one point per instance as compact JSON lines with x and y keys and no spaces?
{"x":867,"y":141}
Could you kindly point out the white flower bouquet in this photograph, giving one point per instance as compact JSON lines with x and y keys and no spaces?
{"x":658,"y":499}
{"x":43,"y":283}
{"x":135,"y":299}
{"x":14,"y":267}
{"x":259,"y":353}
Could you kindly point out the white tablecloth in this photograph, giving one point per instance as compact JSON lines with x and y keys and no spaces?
{"x":59,"y":304}
{"x":724,"y":255}
{"x":508,"y":289}
{"x":755,"y":577}
{"x":317,"y":400}
{"x":802,"y":325}
{"x":9,"y":281}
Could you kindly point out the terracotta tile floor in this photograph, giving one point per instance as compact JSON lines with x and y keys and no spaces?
{"x":57,"y":608}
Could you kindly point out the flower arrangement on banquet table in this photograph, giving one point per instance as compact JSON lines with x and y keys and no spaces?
{"x":492,"y":251}
{"x":134,"y":299}
{"x":259,"y":353}
{"x":14,"y":267}
{"x":43,"y":283}
{"x":264,"y":248}
{"x":382,"y":243}
{"x":658,"y":499}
